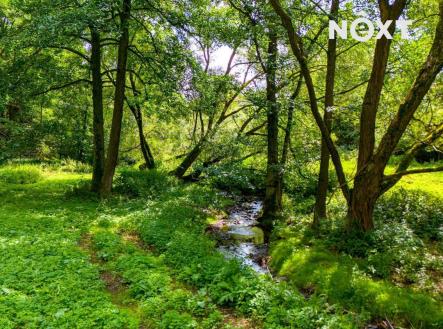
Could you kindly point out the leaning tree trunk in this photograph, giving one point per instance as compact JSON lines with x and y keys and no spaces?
{"x":137,"y":112}
{"x":189,"y":159}
{"x":97,"y":122}
{"x":273,"y":196}
{"x":323,"y":176}
{"x":119,"y":98}
{"x":144,"y":146}
{"x":290,"y":122}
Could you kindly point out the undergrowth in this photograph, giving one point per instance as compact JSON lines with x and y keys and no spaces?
{"x":394,"y":272}
{"x":178,"y":279}
{"x":20,"y":174}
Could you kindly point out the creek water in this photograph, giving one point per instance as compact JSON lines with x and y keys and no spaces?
{"x":241,"y":238}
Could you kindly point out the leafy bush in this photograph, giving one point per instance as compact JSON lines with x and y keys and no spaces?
{"x":421,"y":212}
{"x":165,"y":304}
{"x":235,"y":177}
{"x":108,"y":245}
{"x":146,"y":183}
{"x":81,"y":190}
{"x":176,"y":320}
{"x":20,"y":174}
{"x":74,"y":166}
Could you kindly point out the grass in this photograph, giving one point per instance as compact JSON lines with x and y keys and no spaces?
{"x":45,"y":279}
{"x":143,"y":259}
{"x":20,"y":174}
{"x":428,"y":182}
{"x":169,"y":276}
{"x":394,"y":273}
{"x":341,"y":278}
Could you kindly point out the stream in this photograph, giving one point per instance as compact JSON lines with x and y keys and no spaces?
{"x":240,"y":238}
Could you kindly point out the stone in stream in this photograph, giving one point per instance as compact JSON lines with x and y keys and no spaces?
{"x":240,"y":238}
{"x":247,"y":234}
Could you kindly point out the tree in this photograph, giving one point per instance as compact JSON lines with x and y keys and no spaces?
{"x":119,"y":99}
{"x":97,"y":104}
{"x":323,"y":176}
{"x":138,"y":115}
{"x":272,"y":205}
{"x":370,"y":181}
{"x":38,"y":32}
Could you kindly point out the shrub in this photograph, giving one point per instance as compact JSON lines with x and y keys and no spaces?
{"x":235,"y":177}
{"x":81,"y":190}
{"x":311,"y":261}
{"x":423,"y":213}
{"x":176,"y":320}
{"x":20,"y":174}
{"x":146,"y":183}
{"x":108,"y":245}
{"x":74,"y":166}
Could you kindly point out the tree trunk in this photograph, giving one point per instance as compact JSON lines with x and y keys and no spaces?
{"x":323,"y":176}
{"x":137,"y":112}
{"x":97,"y":121}
{"x":374,"y":89}
{"x":195,"y":175}
{"x":364,"y":196}
{"x":297,"y":49}
{"x":189,"y":159}
{"x":273,"y":196}
{"x":119,"y":98}
{"x":144,"y":146}
{"x":82,"y":139}
{"x":369,"y":180}
{"x":289,"y":123}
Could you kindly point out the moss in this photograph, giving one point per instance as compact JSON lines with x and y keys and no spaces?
{"x":338,"y":277}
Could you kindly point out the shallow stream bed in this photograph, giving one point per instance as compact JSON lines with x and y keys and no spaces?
{"x":240,"y":237}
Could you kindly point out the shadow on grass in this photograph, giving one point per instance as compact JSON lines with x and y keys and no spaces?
{"x":45,"y":279}
{"x":337,"y":277}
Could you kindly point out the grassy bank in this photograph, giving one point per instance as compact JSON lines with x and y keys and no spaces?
{"x":143,"y":259}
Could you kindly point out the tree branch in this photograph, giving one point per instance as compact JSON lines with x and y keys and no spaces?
{"x":72,"y":50}
{"x":62,"y":86}
{"x":428,"y":72}
{"x":411,"y":172}
{"x":296,"y":46}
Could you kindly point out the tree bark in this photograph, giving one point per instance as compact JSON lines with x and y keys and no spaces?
{"x":189,"y":159}
{"x":375,"y":85}
{"x":368,"y":183}
{"x":97,"y":121}
{"x":426,"y":77}
{"x":273,"y":197}
{"x":289,"y":123}
{"x":144,"y":146}
{"x":297,"y":49}
{"x":119,"y":98}
{"x":323,"y":175}
{"x":138,"y":116}
{"x":82,"y":139}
